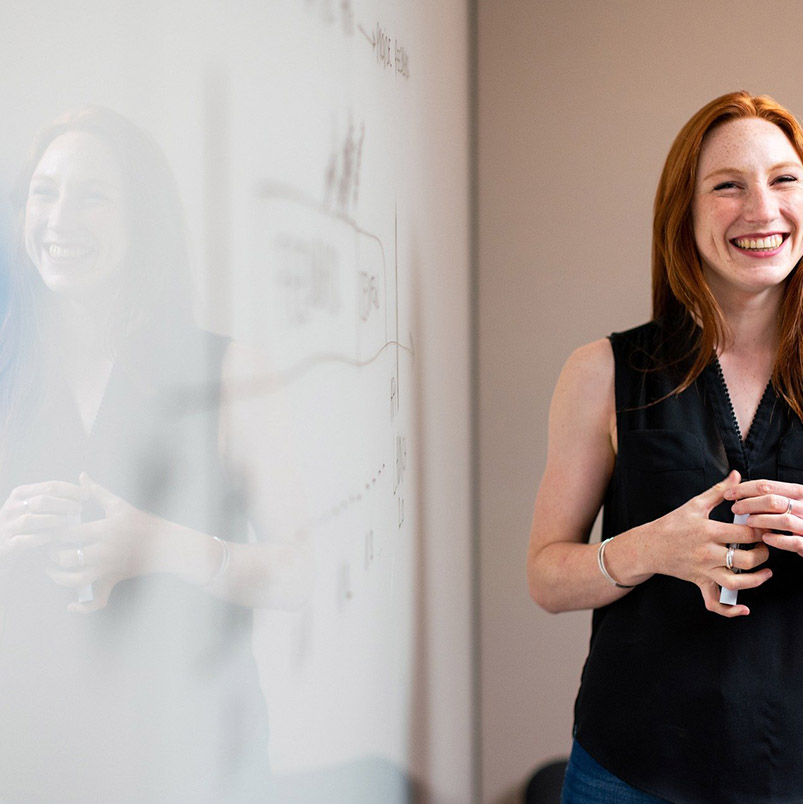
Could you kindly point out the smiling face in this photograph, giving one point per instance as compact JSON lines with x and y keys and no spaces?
{"x":75,"y":217}
{"x":747,"y":209}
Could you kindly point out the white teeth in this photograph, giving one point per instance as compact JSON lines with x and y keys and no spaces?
{"x":66,"y":252}
{"x":759,"y":243}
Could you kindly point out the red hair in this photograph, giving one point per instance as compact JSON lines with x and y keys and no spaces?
{"x":680,"y":292}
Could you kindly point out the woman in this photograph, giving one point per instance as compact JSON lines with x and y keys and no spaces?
{"x":127,"y":578}
{"x":684,"y":697}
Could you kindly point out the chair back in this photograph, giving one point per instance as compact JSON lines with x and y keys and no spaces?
{"x":546,"y":784}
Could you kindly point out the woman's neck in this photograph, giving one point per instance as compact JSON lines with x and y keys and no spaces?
{"x":753,"y":325}
{"x":85,"y":356}
{"x":81,"y":329}
{"x":747,"y":359}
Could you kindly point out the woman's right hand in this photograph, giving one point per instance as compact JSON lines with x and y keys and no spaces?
{"x":686,"y":544}
{"x":33,"y":513}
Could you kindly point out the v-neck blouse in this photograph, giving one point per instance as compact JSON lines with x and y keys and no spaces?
{"x":675,"y":700}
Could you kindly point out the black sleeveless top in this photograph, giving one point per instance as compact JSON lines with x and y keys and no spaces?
{"x":675,"y":700}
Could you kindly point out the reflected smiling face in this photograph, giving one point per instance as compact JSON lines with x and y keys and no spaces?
{"x":75,"y":221}
{"x":748,"y":207}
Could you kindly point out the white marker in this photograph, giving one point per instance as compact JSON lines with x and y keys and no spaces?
{"x":86,"y":594}
{"x":728,"y":596}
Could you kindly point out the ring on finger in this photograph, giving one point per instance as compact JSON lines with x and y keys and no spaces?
{"x":729,"y":558}
{"x":79,"y":553}
{"x":789,"y":506}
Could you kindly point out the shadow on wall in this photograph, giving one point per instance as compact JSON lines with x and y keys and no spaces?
{"x":420,"y":736}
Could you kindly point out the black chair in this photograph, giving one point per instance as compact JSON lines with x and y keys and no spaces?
{"x":546,"y":784}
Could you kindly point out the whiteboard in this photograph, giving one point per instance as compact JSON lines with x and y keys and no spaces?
{"x":322,"y":151}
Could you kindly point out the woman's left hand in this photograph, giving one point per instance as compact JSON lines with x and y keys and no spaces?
{"x":104,"y":552}
{"x":772,"y":506}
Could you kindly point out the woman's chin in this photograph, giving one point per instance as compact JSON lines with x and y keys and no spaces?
{"x":75,"y":284}
{"x":755,"y":280}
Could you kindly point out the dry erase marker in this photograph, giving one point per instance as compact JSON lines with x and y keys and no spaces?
{"x":728,"y":596}
{"x":86,"y":594}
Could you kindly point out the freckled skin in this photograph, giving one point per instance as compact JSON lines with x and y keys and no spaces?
{"x":749,"y":183}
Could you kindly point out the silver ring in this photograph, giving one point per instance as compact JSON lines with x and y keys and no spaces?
{"x":80,"y":554}
{"x":729,"y":558}
{"x":789,"y":507}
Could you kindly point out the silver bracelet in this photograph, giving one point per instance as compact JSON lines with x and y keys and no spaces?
{"x":603,"y":569}
{"x":224,"y":562}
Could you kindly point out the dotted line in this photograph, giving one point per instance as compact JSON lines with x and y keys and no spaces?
{"x":347,"y":502}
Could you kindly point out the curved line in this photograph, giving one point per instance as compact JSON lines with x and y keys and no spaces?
{"x":207,"y":395}
{"x":291,"y":375}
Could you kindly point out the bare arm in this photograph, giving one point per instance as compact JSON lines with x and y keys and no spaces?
{"x":562,"y":568}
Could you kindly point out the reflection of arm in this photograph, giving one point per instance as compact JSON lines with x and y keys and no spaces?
{"x":261,"y":575}
{"x":269,"y":575}
{"x":129,"y":542}
{"x":256,"y":440}
{"x":562,"y":568}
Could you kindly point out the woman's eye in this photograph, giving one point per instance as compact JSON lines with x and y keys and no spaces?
{"x":93,"y":198}
{"x":42,"y":191}
{"x":726,"y":185}
{"x":785,"y":179}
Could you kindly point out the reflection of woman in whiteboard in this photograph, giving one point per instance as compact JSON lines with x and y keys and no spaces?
{"x":127,"y":577}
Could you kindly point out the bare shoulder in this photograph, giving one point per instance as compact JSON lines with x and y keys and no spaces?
{"x":590,"y":363}
{"x":580,"y":450}
{"x":242,"y":362}
{"x":245,"y":374}
{"x":588,"y":376}
{"x":584,"y":401}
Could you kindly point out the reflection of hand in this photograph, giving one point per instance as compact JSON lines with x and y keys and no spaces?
{"x":129,"y":542}
{"x":695,"y":548}
{"x":772,"y":505}
{"x":107,"y":551}
{"x":32,"y":513}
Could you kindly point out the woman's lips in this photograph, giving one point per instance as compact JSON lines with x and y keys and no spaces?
{"x":65,"y":251}
{"x":760,"y":244}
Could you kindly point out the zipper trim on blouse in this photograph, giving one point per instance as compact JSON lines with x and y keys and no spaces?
{"x":734,"y":420}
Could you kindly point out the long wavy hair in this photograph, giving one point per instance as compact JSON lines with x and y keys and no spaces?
{"x":154,"y":286}
{"x":680,"y":293}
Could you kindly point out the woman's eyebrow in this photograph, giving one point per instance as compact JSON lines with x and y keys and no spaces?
{"x":106,"y":185}
{"x":45,"y":176}
{"x":738,"y":171}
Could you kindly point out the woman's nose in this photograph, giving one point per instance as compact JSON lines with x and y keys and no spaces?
{"x":64,"y":212}
{"x":760,"y":205}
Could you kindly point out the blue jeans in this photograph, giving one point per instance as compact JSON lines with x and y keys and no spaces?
{"x":587,"y":782}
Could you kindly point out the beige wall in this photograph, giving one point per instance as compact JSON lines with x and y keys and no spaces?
{"x":578,"y":104}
